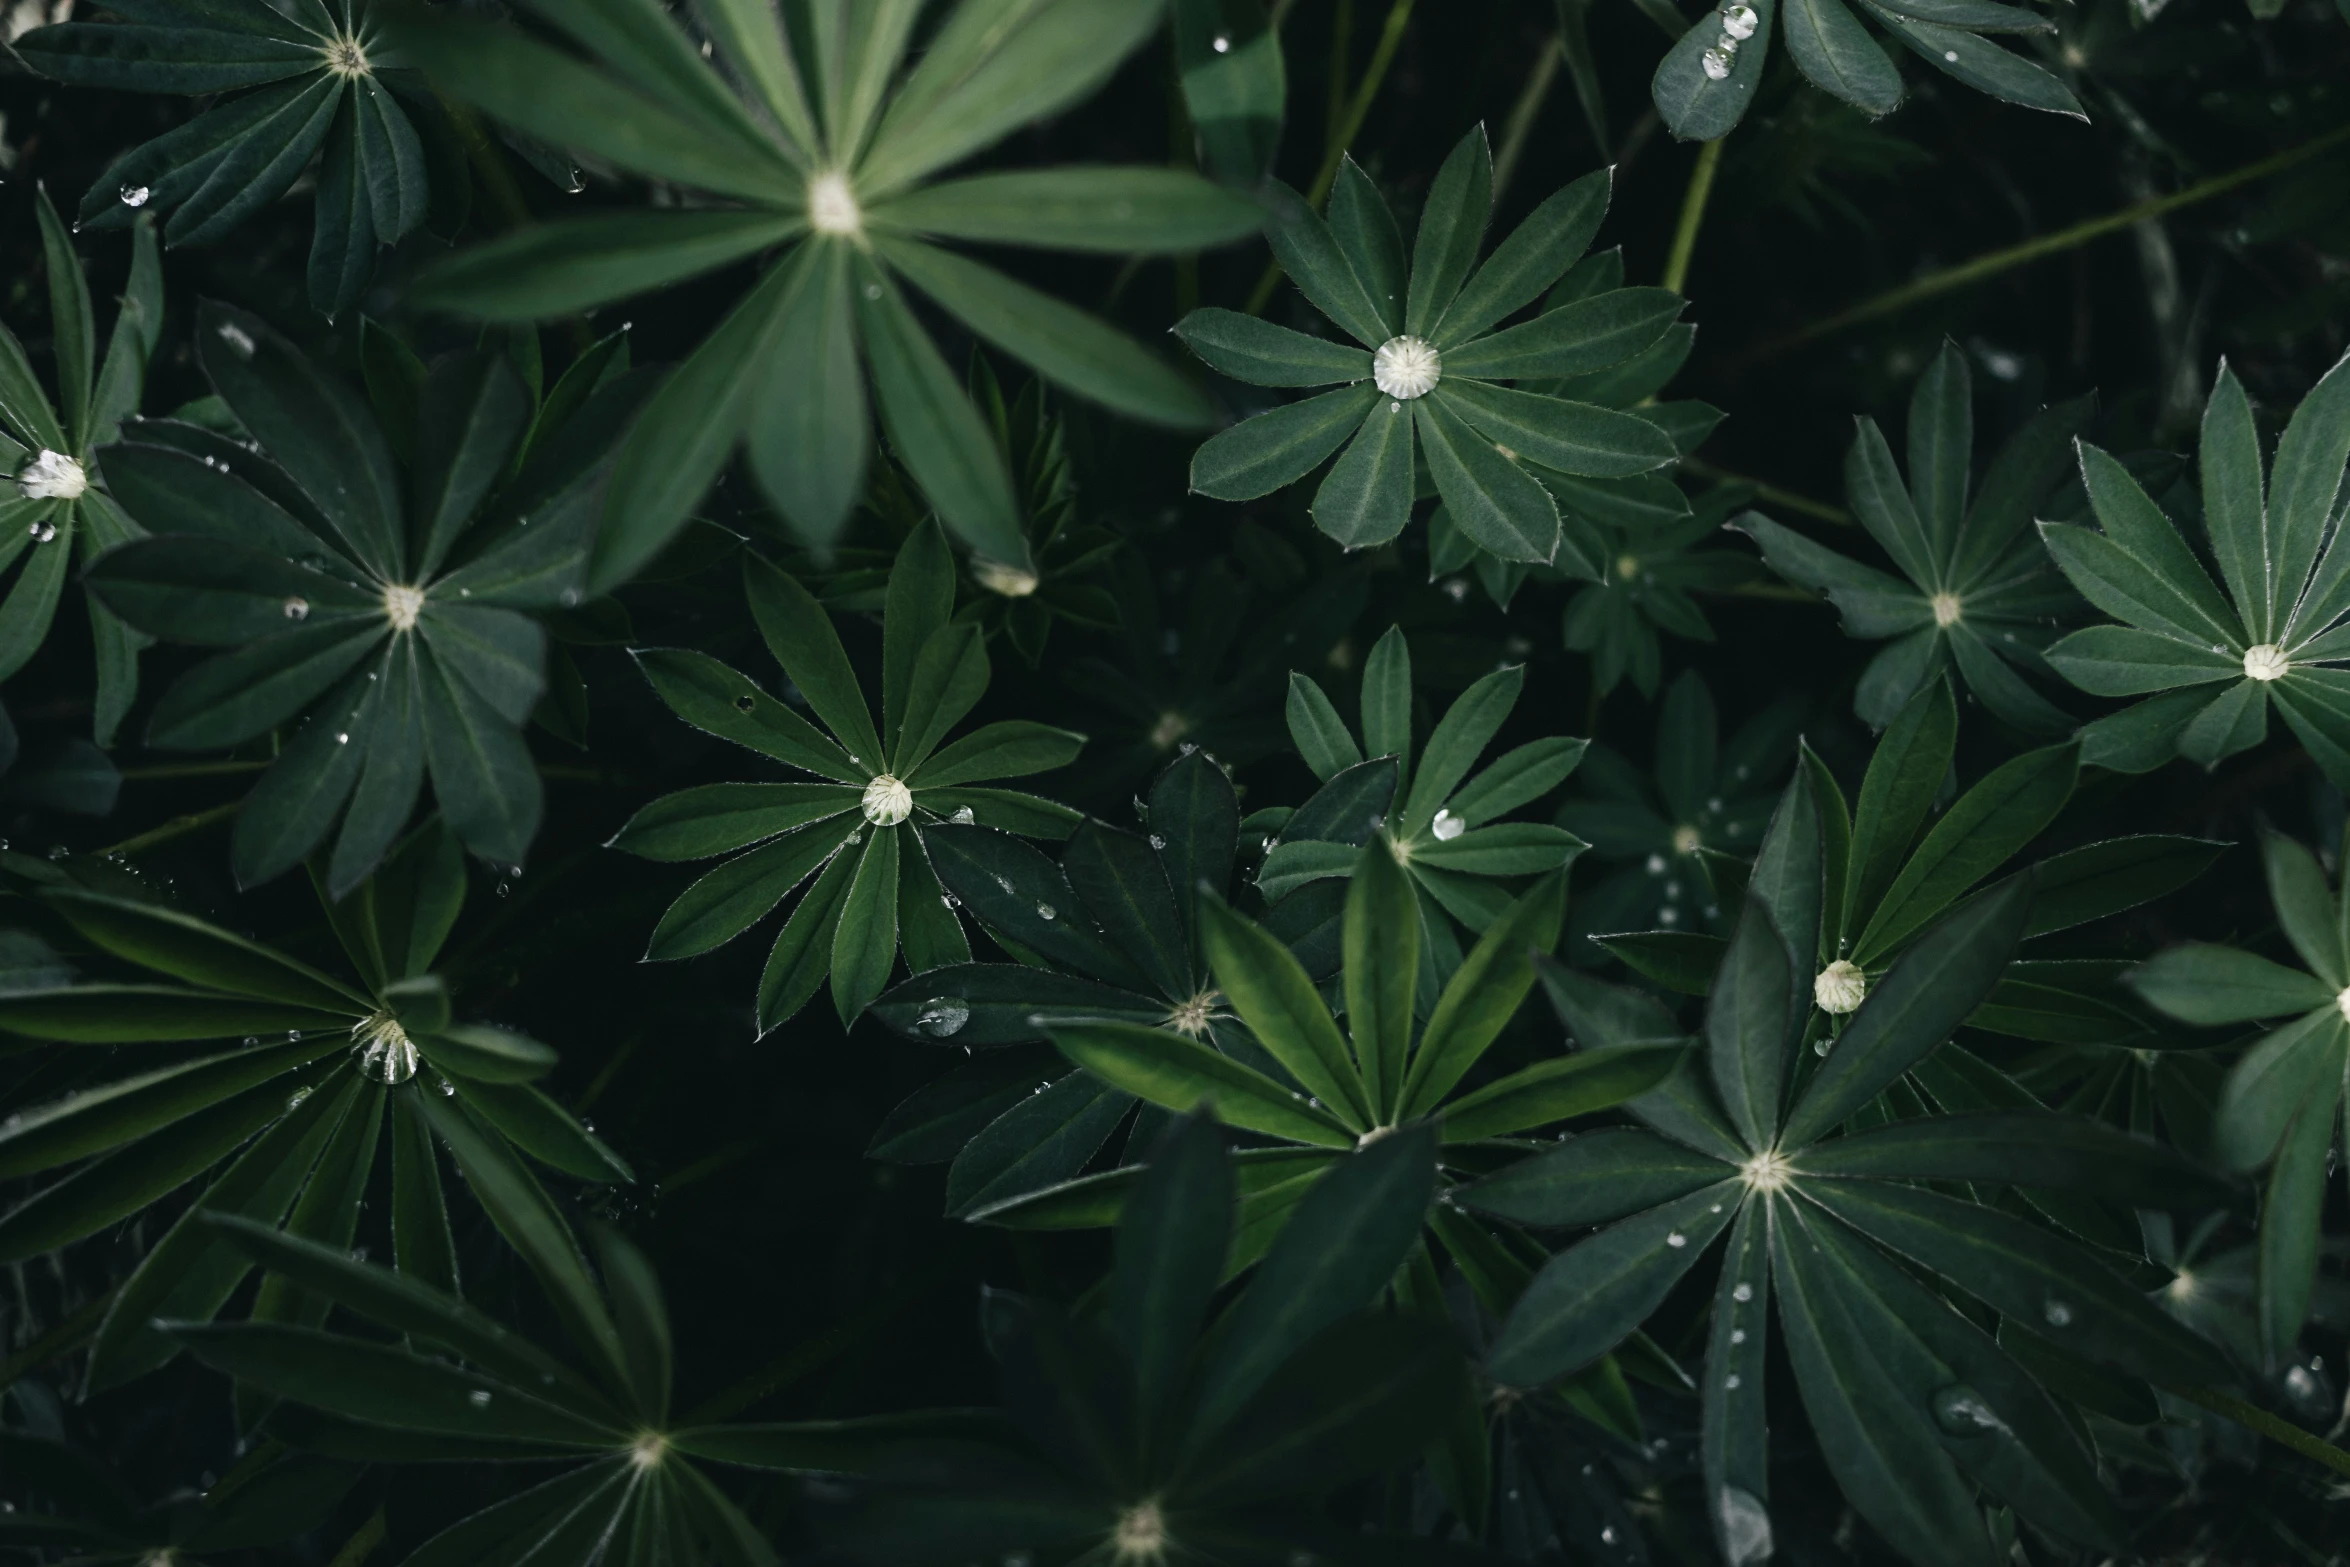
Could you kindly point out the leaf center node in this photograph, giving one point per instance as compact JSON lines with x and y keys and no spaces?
{"x":1406,"y":368}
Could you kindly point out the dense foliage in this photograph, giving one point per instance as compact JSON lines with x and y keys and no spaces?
{"x":1132,"y":782}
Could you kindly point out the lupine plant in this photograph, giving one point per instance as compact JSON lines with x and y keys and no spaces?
{"x":783,"y":781}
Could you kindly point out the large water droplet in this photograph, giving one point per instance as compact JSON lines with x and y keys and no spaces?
{"x":1447,"y":826}
{"x":134,"y":195}
{"x":1744,"y":1526}
{"x":942,"y":1017}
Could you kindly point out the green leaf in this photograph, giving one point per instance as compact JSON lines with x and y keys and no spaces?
{"x":1747,"y":1018}
{"x":1831,"y":48}
{"x":2089,"y":883}
{"x":1125,"y":889}
{"x":1264,"y":354}
{"x":543,"y":1129}
{"x":1575,"y":339}
{"x":1989,"y":823}
{"x":487,"y":1055}
{"x":1063,"y":344}
{"x":1130,"y":210}
{"x":1261,"y":454}
{"x":1590,"y":1297}
{"x":1182,"y":1075}
{"x":1862,"y":1390}
{"x":727,"y":901}
{"x":1695,"y":107}
{"x":1277,"y":1000}
{"x":2019,"y":1148}
{"x":2234,"y":509}
{"x":1483,"y":995}
{"x":2291,"y":1237}
{"x":1452,"y":227}
{"x":713,"y":698}
{"x":865,"y":943}
{"x":1322,"y":739}
{"x":2017,"y":1268}
{"x":1551,"y":239}
{"x":1311,"y":256}
{"x":992,"y":68}
{"x":694,"y":824}
{"x":2291,"y":1069}
{"x":1981,"y":65}
{"x":680,"y":440}
{"x":554,"y":269}
{"x":1558,"y":1090}
{"x":1039,"y":1143}
{"x":1919,"y":1003}
{"x":187,"y":948}
{"x":1012,"y":748}
{"x":73,"y":334}
{"x":1492,"y":500}
{"x":1339,"y":1248}
{"x":1381,"y":942}
{"x":1551,"y":432}
{"x":2207,"y":985}
{"x":1594,"y":1177}
{"x":1228,"y":59}
{"x":933,"y":427}
{"x":483,"y":776}
{"x":807,"y":430}
{"x":1363,"y":229}
{"x":1169,"y":1257}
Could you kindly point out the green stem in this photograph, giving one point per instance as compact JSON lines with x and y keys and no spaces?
{"x":191,"y":770}
{"x":1374,"y":77}
{"x":1701,"y":185}
{"x":1998,"y":261}
{"x":71,"y":1334}
{"x":177,"y":827}
{"x":1524,"y":113}
{"x":2281,"y":1432}
{"x":363,"y":1544}
{"x":1785,"y":500}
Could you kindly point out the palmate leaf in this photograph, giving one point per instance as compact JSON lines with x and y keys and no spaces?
{"x":317,"y":94}
{"x":289,"y":1121}
{"x":1914,"y":1407}
{"x":380,"y":622}
{"x":1706,"y":82}
{"x":866,"y":834}
{"x":59,"y":510}
{"x":2218,"y":658}
{"x":2282,"y":1099}
{"x":1978,"y":592}
{"x":1421,"y":379}
{"x":854,"y":197}
{"x":507,"y":1396}
{"x":1462,"y":860}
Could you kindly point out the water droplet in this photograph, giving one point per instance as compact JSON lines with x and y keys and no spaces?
{"x":2058,"y":1313}
{"x":1716,"y":64}
{"x":1743,"y":1292}
{"x":1222,"y":43}
{"x":942,"y":1017}
{"x":134,"y":195}
{"x":448,"y":1089}
{"x":746,"y":701}
{"x":1745,"y":1526}
{"x":342,"y":739}
{"x":964,"y":815}
{"x":479,"y":1398}
{"x":1044,"y":911}
{"x":297,"y":608}
{"x":294,"y":1099}
{"x":1158,"y":842}
{"x":293,"y":1036}
{"x":1730,"y":1383}
{"x":1676,"y":1240}
{"x":1447,"y":826}
{"x":251,"y":1040}
{"x":1740,"y":21}
{"x":1737,"y":1335}
{"x":1960,"y":1410}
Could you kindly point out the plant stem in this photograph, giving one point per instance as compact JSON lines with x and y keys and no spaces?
{"x":363,"y":1544}
{"x":2282,"y":1432}
{"x":1998,"y":261}
{"x":71,"y":1334}
{"x":1785,"y":500}
{"x":177,"y":827}
{"x":191,"y":770}
{"x":1374,"y":76}
{"x":1524,"y":113}
{"x":1701,"y":185}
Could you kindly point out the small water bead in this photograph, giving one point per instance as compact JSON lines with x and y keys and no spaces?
{"x":1447,"y":826}
{"x":1745,"y":1526}
{"x":1716,"y":65}
{"x":2059,"y":1314}
{"x":297,"y":608}
{"x":1158,"y":842}
{"x":963,"y":815}
{"x":134,"y":195}
{"x":1737,"y":1335}
{"x":1740,"y":21}
{"x":1044,"y":911}
{"x":1743,"y":1292}
{"x":1730,"y":1383}
{"x":479,"y":1398}
{"x":294,"y":1099}
{"x":1676,"y":1240}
